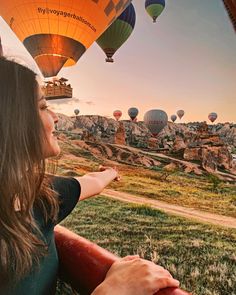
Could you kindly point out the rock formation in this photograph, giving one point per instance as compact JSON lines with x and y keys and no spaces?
{"x":119,"y":137}
{"x":117,"y":153}
{"x":211,"y":146}
{"x":209,"y":150}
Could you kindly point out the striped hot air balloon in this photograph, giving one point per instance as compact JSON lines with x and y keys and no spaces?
{"x":57,"y":33}
{"x":155,"y":120}
{"x":212,"y":116}
{"x":117,"y":33}
{"x":154,"y":8}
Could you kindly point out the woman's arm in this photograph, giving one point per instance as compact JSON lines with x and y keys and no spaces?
{"x":93,"y":183}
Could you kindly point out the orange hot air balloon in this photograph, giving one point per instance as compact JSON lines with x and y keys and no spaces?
{"x":117,"y":114}
{"x":57,"y":33}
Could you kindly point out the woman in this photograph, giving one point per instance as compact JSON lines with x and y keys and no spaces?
{"x":33,"y":202}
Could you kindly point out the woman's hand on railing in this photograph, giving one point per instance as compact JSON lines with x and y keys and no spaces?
{"x":86,"y":266}
{"x":132,"y":275}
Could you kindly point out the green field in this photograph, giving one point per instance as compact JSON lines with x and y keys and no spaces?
{"x":181,"y":189}
{"x":188,"y":190}
{"x":202,"y":257}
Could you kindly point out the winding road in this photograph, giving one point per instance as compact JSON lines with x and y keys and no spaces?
{"x":190,"y":213}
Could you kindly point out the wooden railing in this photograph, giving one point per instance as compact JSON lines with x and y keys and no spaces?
{"x":84,"y":264}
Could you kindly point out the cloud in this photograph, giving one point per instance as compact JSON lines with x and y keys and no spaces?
{"x":56,"y":108}
{"x":68,"y":105}
{"x":63,"y":101}
{"x":71,"y":101}
{"x":89,"y":102}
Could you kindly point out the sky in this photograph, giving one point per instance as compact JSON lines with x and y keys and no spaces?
{"x":186,"y":60}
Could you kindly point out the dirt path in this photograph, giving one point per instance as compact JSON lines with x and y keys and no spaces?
{"x":221,"y":220}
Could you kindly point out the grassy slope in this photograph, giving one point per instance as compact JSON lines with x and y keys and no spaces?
{"x":203,"y":258}
{"x":179,"y":188}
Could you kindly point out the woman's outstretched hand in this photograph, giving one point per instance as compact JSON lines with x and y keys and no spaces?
{"x":93,"y":183}
{"x":114,"y":168}
{"x":132,"y":275}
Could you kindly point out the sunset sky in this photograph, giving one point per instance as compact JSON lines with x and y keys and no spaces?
{"x":186,"y":60}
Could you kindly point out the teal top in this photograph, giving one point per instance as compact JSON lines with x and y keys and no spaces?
{"x":42,"y":281}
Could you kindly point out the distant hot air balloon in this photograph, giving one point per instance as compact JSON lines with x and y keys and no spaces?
{"x":173,"y":118}
{"x":180,"y":113}
{"x":212,"y":116}
{"x":118,"y":32}
{"x":155,"y":120}
{"x":57,"y":33}
{"x":133,"y":113}
{"x":154,"y":8}
{"x":117,"y":114}
{"x":76,"y":111}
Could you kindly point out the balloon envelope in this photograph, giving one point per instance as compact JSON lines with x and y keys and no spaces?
{"x":133,"y":113}
{"x":57,"y":33}
{"x":173,"y":118}
{"x":117,"y":33}
{"x":180,"y":113}
{"x":117,"y":114}
{"x":155,"y":121}
{"x":212,"y":117}
{"x":76,"y":111}
{"x":154,"y":8}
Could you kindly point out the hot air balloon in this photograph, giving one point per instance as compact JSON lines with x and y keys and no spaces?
{"x":212,"y":116}
{"x":118,"y":32}
{"x":180,"y":113}
{"x":57,"y":33}
{"x":76,"y":111}
{"x":155,"y":120}
{"x":154,"y":8}
{"x":117,"y":114}
{"x":133,"y":113}
{"x":173,"y":118}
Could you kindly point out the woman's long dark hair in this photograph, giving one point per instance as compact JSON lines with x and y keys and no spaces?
{"x":22,"y":173}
